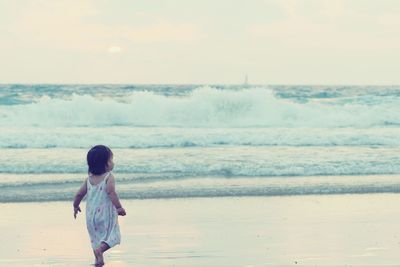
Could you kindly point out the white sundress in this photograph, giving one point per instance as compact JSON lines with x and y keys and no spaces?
{"x":101,"y":215}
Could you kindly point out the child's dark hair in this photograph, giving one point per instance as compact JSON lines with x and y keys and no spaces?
{"x":97,"y":159}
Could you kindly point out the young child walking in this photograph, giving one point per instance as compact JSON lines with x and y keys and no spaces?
{"x":102,"y":202}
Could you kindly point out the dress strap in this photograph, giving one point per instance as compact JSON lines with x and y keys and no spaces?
{"x":89,"y":180}
{"x":106,"y":178}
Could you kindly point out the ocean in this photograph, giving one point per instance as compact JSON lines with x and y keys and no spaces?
{"x":174,"y":141}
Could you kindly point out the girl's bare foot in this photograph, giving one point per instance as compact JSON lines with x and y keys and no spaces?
{"x":99,"y":257}
{"x":95,"y":255}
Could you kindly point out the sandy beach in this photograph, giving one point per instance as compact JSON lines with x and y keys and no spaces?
{"x":345,"y":230}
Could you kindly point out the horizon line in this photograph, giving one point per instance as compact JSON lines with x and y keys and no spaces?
{"x":205,"y":84}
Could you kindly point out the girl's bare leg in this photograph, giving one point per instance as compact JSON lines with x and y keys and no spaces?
{"x":95,"y":255}
{"x":99,"y":253}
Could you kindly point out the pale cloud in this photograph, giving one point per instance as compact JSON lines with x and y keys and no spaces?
{"x":114,"y":49}
{"x":71,"y":25}
{"x":389,"y":22}
{"x":328,"y":25}
{"x":58,"y":25}
{"x":163,"y":31}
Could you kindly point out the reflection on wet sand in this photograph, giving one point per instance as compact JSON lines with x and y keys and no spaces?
{"x":257,"y":231}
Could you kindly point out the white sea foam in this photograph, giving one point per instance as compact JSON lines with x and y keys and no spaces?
{"x":175,"y":137}
{"x":204,"y":107}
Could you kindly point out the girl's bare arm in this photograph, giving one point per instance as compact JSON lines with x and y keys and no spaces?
{"x":78,"y":197}
{"x":113,"y":195}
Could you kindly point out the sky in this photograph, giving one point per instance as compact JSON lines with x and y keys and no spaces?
{"x":200,"y":41}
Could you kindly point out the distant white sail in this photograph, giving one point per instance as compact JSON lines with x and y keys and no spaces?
{"x":246,"y":81}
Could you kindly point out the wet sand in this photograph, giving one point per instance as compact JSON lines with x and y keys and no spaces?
{"x":344,"y":230}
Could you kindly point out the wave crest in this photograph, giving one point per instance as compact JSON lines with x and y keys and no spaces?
{"x":204,"y":107}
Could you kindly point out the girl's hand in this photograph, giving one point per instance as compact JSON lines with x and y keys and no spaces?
{"x":76,"y":210}
{"x":121,"y":211}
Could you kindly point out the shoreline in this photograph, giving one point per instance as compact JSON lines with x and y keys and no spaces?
{"x":38,"y":188}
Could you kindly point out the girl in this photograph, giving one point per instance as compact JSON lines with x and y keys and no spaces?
{"x":102,"y":202}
